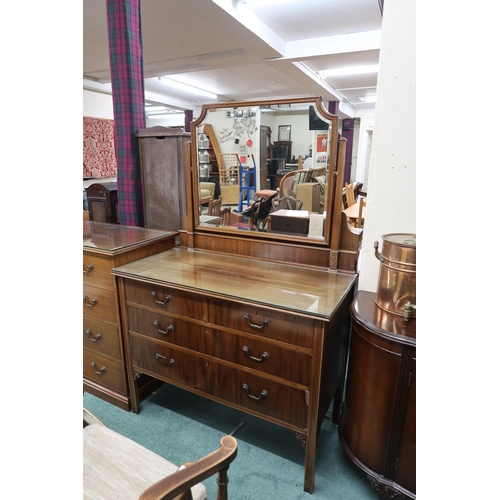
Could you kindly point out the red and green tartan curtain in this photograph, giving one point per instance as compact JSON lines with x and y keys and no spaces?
{"x":127,"y":80}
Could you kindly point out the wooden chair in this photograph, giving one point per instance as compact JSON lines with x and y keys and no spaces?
{"x":115,"y":467}
{"x":225,"y":216}
{"x":253,"y":217}
{"x":360,"y":220}
{"x":287,"y":203}
{"x":214,"y":206}
{"x":349,"y":194}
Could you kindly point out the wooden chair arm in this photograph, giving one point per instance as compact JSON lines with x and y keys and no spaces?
{"x":175,"y":485}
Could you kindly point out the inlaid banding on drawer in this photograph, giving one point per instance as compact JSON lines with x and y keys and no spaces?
{"x":167,"y":300}
{"x":264,"y":356}
{"x":105,"y":371}
{"x":99,"y":303}
{"x":171,"y":330}
{"x":294,"y":330}
{"x":101,"y":337}
{"x":97,"y":271}
{"x":166,"y":363}
{"x":268,"y":397}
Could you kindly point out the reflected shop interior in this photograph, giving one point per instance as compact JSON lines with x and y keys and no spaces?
{"x":264,"y":166}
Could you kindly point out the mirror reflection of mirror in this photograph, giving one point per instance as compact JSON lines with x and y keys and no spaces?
{"x":243,"y":165}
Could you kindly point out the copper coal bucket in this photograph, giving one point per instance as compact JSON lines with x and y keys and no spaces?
{"x":397,"y":281}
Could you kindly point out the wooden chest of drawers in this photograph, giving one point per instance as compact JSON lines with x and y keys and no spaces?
{"x":106,"y":246}
{"x":267,"y":339}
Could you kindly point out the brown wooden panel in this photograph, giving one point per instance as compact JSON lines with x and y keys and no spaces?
{"x":294,"y":330}
{"x":101,"y":337}
{"x":100,"y":273}
{"x":284,"y":403}
{"x":176,"y":366}
{"x":281,"y":362}
{"x":406,"y":472}
{"x":105,"y":305}
{"x":181,"y":303}
{"x":370,"y":397}
{"x":178,"y":332}
{"x":107,"y":371}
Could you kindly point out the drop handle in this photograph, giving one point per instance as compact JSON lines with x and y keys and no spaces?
{"x":159,"y":356}
{"x":166,"y":299}
{"x":265,"y":321}
{"x":264,"y":355}
{"x":91,"y":336}
{"x":89,"y":268}
{"x":408,"y":310}
{"x":163,"y":332}
{"x":92,"y":303}
{"x":99,"y":372}
{"x":263,"y":393}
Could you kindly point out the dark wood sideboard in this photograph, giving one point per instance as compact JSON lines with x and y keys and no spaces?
{"x":265,"y":338}
{"x":378,"y":423}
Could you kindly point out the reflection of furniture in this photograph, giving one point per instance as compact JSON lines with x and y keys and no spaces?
{"x":102,"y":202}
{"x":354,"y":211}
{"x":310,"y":194}
{"x":349,"y":194}
{"x":361,"y":213}
{"x":265,"y":155}
{"x":253,"y":217}
{"x":229,"y":178}
{"x":290,"y":221}
{"x":115,"y":467}
{"x":104,"y":247}
{"x":215,"y":180}
{"x":163,"y":176}
{"x":378,"y":425}
{"x":214,"y":206}
{"x":206,"y":191}
{"x":278,"y":355}
{"x":282,"y":149}
{"x":287,"y":202}
{"x":225,"y":216}
{"x":214,"y":149}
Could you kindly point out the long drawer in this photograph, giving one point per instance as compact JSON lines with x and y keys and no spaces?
{"x":99,"y":303}
{"x":97,"y":271}
{"x":106,"y":371}
{"x":271,"y":324}
{"x":101,"y":336}
{"x":235,"y":386}
{"x":165,"y":299}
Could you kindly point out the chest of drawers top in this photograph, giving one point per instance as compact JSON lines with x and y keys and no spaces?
{"x":304,"y":290}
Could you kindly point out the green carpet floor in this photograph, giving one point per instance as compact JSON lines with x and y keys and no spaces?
{"x":182,"y":427}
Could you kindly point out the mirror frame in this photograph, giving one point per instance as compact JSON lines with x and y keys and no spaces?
{"x":263,"y":245}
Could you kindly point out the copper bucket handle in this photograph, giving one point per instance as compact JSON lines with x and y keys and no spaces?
{"x":377,"y":253}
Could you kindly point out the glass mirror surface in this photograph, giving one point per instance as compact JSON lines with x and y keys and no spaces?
{"x":243,"y":169}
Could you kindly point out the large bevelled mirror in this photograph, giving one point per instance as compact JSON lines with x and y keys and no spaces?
{"x":265,"y":168}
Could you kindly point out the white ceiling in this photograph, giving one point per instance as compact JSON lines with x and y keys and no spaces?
{"x":246,"y":49}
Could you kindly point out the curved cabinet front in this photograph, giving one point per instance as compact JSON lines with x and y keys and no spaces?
{"x":378,"y":425}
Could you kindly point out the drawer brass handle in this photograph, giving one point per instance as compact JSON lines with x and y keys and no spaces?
{"x":92,"y":303}
{"x":99,"y":372}
{"x":163,"y":332}
{"x":265,"y":321}
{"x":159,"y":356}
{"x":264,"y":355}
{"x":166,"y":299}
{"x":263,"y":394}
{"x":89,"y":268}
{"x":91,"y":336}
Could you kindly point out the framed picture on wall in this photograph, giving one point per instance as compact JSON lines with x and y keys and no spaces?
{"x":284,"y":132}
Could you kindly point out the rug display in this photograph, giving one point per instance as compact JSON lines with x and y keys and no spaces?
{"x":99,"y":158}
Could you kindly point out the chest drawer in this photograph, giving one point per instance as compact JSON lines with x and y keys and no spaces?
{"x":258,"y":354}
{"x":104,"y":370}
{"x":99,"y":303}
{"x":102,"y":337}
{"x":171,"y":330}
{"x":165,"y":299}
{"x":161,"y":360}
{"x":266,"y":323}
{"x":97,"y":271}
{"x":267,"y":397}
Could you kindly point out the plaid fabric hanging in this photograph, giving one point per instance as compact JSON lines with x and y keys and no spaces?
{"x":127,"y":79}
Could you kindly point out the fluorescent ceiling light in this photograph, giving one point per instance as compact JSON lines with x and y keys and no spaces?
{"x":187,"y":88}
{"x":368,"y":98}
{"x":351,"y":70}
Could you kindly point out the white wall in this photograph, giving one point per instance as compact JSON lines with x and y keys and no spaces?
{"x":97,"y":104}
{"x":391,"y":202}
